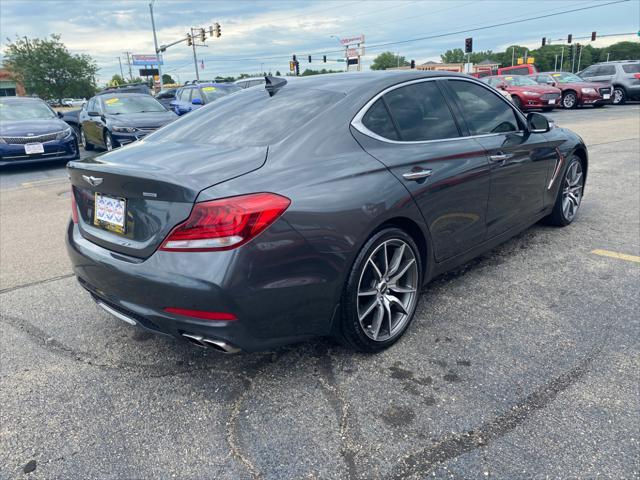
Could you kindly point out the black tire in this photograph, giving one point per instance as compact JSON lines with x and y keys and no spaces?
{"x":516,"y":101}
{"x":557,"y":217}
{"x":76,"y":131}
{"x":570,"y":100}
{"x":619,"y":96}
{"x":109,"y":142}
{"x":85,"y":143}
{"x":350,"y":331}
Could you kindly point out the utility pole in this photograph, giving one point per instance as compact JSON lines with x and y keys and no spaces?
{"x":579,"y":57}
{"x":555,"y":64}
{"x":128,"y":54}
{"x":155,"y":42}
{"x":195,"y":58}
{"x":513,"y":56}
{"x":562,"y":58}
{"x":121,"y":72}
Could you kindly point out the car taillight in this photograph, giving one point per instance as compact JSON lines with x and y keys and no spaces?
{"x":226,"y":223}
{"x":74,"y":207}
{"x":637,"y":75}
{"x":201,"y":314}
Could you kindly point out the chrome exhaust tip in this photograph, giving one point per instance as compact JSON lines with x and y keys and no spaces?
{"x":218,"y":345}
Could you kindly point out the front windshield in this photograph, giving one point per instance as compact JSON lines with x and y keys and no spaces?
{"x":136,"y":104}
{"x":25,"y":111}
{"x":565,"y":77}
{"x":213,"y":93}
{"x":520,"y":81}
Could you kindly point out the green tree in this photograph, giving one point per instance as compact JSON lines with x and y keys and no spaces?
{"x":307,"y":72}
{"x":47,"y":69}
{"x":166,"y":78}
{"x":388,"y":60}
{"x":621,"y":51}
{"x":278,"y":73}
{"x":116,"y":80}
{"x":453,"y":56}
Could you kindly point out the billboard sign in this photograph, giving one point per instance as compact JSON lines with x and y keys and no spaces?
{"x":146,"y":59}
{"x":352,"y":40}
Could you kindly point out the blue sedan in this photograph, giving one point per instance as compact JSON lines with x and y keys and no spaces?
{"x":30,"y":131}
{"x":193,"y":96}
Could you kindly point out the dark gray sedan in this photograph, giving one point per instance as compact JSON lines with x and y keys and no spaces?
{"x":315,"y":207}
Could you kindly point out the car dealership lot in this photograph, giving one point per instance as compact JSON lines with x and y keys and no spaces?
{"x":522,"y":364}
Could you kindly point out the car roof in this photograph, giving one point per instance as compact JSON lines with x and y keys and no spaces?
{"x":354,"y":81}
{"x":13,"y":99}
{"x":122,"y":94}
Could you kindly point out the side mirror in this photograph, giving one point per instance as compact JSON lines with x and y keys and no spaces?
{"x":502,"y":86}
{"x":60,"y":114}
{"x":538,"y":123}
{"x":93,"y":114}
{"x":197,"y":101}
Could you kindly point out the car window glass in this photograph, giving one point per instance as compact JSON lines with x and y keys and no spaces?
{"x":631,"y":68}
{"x":377,"y":120}
{"x":252,"y":117}
{"x":421,"y":113}
{"x":606,"y":70}
{"x":589,"y":72}
{"x":484,"y":111}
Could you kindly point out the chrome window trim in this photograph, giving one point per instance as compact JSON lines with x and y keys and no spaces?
{"x":358,"y":125}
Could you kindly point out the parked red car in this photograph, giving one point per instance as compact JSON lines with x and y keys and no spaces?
{"x":525,"y":69}
{"x":525,"y":92}
{"x":575,"y":91}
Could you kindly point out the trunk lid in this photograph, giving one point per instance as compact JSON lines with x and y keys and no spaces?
{"x":159,"y":182}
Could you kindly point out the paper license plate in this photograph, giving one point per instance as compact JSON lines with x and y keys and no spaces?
{"x":33,"y":148}
{"x":110,"y":213}
{"x":552,"y":101}
{"x":606,"y":96}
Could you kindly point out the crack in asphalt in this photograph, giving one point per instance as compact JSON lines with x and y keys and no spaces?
{"x":337,"y":400}
{"x":422,"y":462}
{"x":45,"y":341}
{"x":38,"y":282}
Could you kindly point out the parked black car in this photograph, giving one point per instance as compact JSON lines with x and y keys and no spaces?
{"x":111,"y":120}
{"x":165,"y":97}
{"x":127,"y":88}
{"x":30,"y":131}
{"x":315,"y":207}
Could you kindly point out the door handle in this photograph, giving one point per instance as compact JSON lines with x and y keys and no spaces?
{"x":500,"y":157}
{"x":416,"y":175}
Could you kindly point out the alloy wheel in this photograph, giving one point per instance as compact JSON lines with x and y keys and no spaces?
{"x":572,"y":191}
{"x":108,"y":143}
{"x":569,"y":100}
{"x":618,"y":96}
{"x":83,"y":139}
{"x":387,"y":291}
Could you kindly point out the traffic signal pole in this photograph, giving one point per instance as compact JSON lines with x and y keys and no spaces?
{"x":155,"y":43}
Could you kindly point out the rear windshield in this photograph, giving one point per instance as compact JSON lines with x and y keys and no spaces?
{"x":631,"y":68}
{"x":520,"y":81}
{"x":25,"y":111}
{"x":213,"y":93}
{"x":249,"y":117}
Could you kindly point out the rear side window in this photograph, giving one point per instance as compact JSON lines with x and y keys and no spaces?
{"x":606,"y":70}
{"x":377,"y":120}
{"x":631,"y":68}
{"x":250,"y":117}
{"x":421,"y":113}
{"x":483,"y":110}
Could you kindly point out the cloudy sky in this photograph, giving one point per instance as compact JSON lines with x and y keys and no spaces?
{"x":262,"y":34}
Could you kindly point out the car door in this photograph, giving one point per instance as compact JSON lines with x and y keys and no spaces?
{"x":520,"y":160}
{"x":411,"y":129}
{"x":90,"y":123}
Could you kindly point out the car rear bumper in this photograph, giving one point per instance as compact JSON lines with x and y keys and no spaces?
{"x":274,"y":304}
{"x":53,"y":151}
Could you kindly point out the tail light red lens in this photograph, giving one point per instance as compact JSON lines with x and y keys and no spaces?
{"x":226,"y":223}
{"x":74,"y":207}
{"x":637,"y":75}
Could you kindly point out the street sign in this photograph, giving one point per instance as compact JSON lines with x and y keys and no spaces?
{"x":147,"y":72}
{"x":352,"y":40}
{"x":531,"y":60}
{"x":146,"y":60}
{"x":520,"y":60}
{"x":352,"y":61}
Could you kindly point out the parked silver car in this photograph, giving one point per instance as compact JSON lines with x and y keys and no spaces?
{"x":624,"y":75}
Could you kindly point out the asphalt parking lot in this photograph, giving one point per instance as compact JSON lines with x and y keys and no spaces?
{"x":522,"y":364}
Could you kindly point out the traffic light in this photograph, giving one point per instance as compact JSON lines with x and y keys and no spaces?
{"x":413,"y":64}
{"x":324,"y":58}
{"x":202,"y":35}
{"x":468,"y":45}
{"x":189,"y":41}
{"x":569,"y":38}
{"x":544,"y":41}
{"x":292,"y":66}
{"x":593,"y":36}
{"x":579,"y":49}
{"x":309,"y":58}
{"x":216,"y":30}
